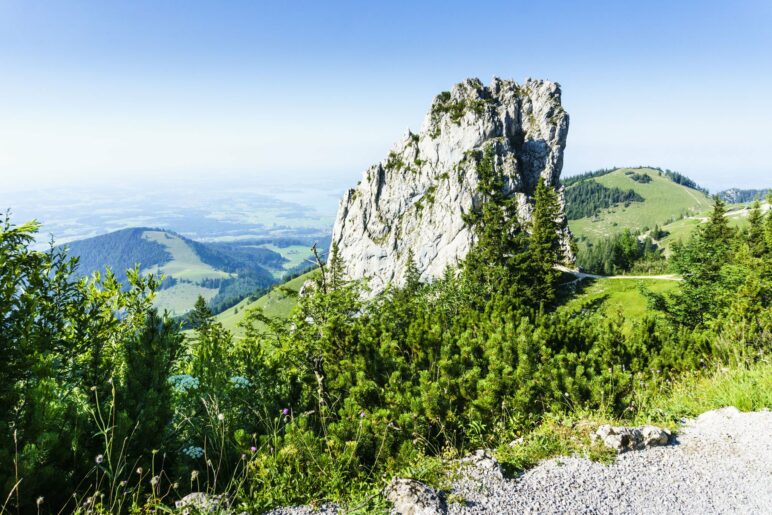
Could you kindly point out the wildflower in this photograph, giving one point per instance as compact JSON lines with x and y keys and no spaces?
{"x":253,"y":449}
{"x":220,"y":417}
{"x":243,"y":456}
{"x":240,"y":382}
{"x":285,"y":411}
{"x":99,"y":459}
{"x":193,"y":452}
{"x":183,"y":383}
{"x":565,"y":394}
{"x":175,"y":486}
{"x":139,"y":470}
{"x":40,"y":500}
{"x":194,"y":475}
{"x":154,"y":480}
{"x":362,"y":414}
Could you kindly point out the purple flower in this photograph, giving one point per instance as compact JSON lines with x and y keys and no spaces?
{"x":253,"y":449}
{"x":362,"y":415}
{"x":285,"y":411}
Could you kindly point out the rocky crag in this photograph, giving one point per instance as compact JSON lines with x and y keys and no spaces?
{"x":416,"y":198}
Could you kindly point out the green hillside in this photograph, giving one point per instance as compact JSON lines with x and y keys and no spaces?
{"x":275,"y":303}
{"x":663,"y":201}
{"x":222,"y":273}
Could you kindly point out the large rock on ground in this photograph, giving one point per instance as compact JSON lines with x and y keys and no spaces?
{"x":411,"y":497}
{"x":631,"y":438}
{"x":416,"y":198}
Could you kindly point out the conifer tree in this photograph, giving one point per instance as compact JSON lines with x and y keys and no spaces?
{"x":209,"y":348}
{"x":145,"y":394}
{"x":335,"y":269}
{"x":755,"y":236}
{"x":702,"y":293}
{"x":545,"y":244}
{"x":412,"y":275}
{"x":498,"y":261}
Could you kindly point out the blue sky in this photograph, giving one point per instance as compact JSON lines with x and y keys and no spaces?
{"x":173,"y":91}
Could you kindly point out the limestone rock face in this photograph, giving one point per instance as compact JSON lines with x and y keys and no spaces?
{"x":416,"y":198}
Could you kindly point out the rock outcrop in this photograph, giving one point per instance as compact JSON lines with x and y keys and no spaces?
{"x":631,"y":438}
{"x":417,"y":197}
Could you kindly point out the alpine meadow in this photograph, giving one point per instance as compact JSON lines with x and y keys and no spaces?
{"x":480,"y":326}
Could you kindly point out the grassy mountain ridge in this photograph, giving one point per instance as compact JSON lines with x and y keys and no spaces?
{"x":664,"y":201}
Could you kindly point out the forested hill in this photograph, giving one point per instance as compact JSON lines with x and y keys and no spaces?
{"x":119,"y":250}
{"x":223,"y":273}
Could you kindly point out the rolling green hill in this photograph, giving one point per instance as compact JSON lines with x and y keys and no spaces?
{"x":663,"y":201}
{"x":223,"y":273}
{"x":275,"y":303}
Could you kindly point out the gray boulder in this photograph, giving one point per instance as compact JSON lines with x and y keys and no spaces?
{"x":411,"y":497}
{"x":483,"y":463}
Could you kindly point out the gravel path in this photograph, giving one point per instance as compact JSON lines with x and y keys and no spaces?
{"x":721,"y":463}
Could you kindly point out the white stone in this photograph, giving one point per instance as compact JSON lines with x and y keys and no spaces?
{"x":411,"y":497}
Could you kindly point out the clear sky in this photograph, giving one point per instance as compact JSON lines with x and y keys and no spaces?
{"x":296,"y":91}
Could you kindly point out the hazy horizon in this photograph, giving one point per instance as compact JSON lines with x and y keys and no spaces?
{"x":249,"y":92}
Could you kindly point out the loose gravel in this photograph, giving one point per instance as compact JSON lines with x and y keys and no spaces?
{"x":720,"y":463}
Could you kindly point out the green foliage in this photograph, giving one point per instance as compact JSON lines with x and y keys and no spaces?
{"x":73,"y":350}
{"x":643,"y":178}
{"x":444,"y":104}
{"x":727,"y":280}
{"x":574,"y":179}
{"x":621,"y":253}
{"x":587,"y":198}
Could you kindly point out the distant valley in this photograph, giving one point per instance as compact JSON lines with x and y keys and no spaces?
{"x":209,"y":211}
